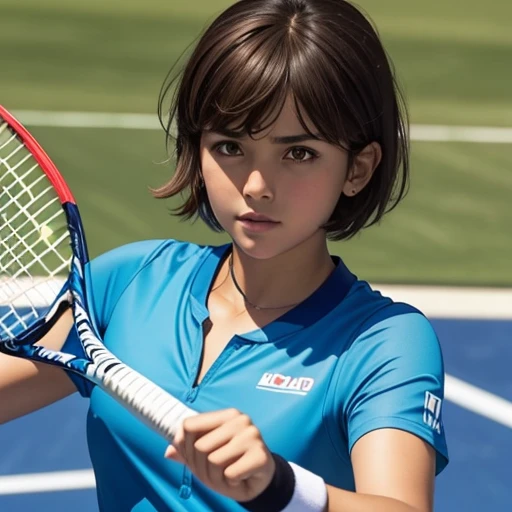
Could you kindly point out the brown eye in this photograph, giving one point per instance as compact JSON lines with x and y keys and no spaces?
{"x":302,"y":155}
{"x":228,"y":148}
{"x":298,"y":153}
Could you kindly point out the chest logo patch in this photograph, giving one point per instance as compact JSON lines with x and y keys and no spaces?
{"x":278,"y":383}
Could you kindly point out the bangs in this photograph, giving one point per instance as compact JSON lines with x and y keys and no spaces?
{"x":245,"y":86}
{"x":242,"y":81}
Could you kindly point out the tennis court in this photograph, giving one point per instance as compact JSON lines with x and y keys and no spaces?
{"x":477,"y":352}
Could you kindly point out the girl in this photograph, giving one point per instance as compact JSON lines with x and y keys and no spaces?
{"x":315,"y":392}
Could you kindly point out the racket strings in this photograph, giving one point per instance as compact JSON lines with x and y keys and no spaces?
{"x":34,"y":238}
{"x":35,"y":248}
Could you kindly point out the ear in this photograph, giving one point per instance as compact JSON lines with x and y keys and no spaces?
{"x":362,"y":169}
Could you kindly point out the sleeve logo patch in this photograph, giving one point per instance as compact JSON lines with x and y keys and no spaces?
{"x":432,"y":412}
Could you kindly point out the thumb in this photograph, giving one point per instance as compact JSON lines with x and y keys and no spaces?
{"x":173,"y":454}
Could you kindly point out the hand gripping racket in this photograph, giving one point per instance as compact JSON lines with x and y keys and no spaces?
{"x":41,"y":240}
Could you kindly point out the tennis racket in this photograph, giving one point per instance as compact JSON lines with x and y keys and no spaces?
{"x":41,"y":241}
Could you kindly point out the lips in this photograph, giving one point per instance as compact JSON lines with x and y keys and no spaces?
{"x":257,"y":223}
{"x":257,"y":217}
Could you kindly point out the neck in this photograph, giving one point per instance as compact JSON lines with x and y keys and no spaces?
{"x":276,"y":283}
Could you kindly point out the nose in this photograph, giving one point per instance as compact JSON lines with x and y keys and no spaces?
{"x":257,"y":187}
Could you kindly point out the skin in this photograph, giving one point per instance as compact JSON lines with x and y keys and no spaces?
{"x":394,"y":470}
{"x":26,"y":386}
{"x":295,"y":184}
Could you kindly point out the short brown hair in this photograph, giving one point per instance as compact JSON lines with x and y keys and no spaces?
{"x":324,"y":53}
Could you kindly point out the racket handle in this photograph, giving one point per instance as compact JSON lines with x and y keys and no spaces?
{"x":143,"y":398}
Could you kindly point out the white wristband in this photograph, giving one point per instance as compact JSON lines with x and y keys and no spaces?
{"x":310,"y":493}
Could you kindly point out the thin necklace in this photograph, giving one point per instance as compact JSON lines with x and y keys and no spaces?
{"x":255,"y":306}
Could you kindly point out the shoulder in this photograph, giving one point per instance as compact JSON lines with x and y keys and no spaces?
{"x":377,"y":318}
{"x":112,"y":273}
{"x":142,"y":253}
{"x":126,"y":261}
{"x":393,"y":352}
{"x":391,"y":374}
{"x":389,"y":342}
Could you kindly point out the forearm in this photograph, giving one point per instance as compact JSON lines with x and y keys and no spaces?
{"x":296,"y":488}
{"x":340,"y":500}
{"x":26,"y":386}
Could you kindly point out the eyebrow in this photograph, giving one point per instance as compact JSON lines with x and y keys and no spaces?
{"x":289,"y":139}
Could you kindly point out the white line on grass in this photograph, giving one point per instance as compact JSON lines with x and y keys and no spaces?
{"x":457,"y":391}
{"x":439,"y":133}
{"x":88,"y":120}
{"x":432,"y":133}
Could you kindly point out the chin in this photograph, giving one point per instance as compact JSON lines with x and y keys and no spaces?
{"x":263,"y":248}
{"x":259,"y":249}
{"x":270,"y":245}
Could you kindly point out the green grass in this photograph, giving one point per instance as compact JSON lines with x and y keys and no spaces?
{"x":112,"y":55}
{"x":110,"y":173}
{"x":452,"y":227}
{"x":452,"y":57}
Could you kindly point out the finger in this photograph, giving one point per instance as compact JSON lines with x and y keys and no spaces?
{"x":205,"y":422}
{"x":173,"y":454}
{"x":221,"y":458}
{"x":193,"y":461}
{"x":255,"y":463}
{"x":199,"y":449}
{"x":178,"y":443}
{"x":238,"y":445}
{"x":238,"y":426}
{"x":226,"y":455}
{"x":199,"y":443}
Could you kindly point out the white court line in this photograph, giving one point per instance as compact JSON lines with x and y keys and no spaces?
{"x":478,"y":401}
{"x":457,"y":391}
{"x":454,"y":302}
{"x":47,"y":482}
{"x":433,"y":301}
{"x":419,"y":132}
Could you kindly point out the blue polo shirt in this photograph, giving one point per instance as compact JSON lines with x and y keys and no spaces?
{"x":342,"y":363}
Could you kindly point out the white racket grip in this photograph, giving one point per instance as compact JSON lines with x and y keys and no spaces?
{"x":143,"y":398}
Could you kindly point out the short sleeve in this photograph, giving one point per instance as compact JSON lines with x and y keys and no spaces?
{"x":395,"y":379}
{"x":107,"y":277}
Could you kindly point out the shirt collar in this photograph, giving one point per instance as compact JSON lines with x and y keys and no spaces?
{"x":322,"y":301}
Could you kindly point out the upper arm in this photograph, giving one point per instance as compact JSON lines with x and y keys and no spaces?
{"x":396,"y":464}
{"x":390,"y":389}
{"x":394,"y":378}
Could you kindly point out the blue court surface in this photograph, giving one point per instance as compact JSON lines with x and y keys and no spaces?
{"x":478,"y":478}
